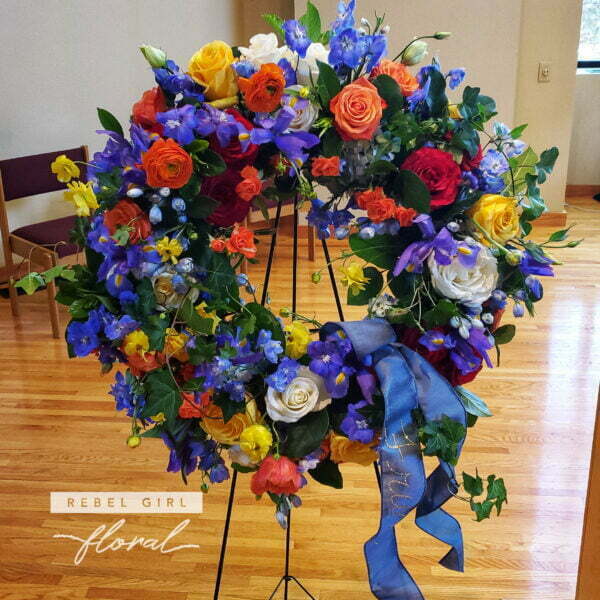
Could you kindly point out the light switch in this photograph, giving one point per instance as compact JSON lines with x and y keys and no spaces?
{"x":544,"y":72}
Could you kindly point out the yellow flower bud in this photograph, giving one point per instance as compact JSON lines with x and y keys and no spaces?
{"x":354,"y":278}
{"x":133,"y":441}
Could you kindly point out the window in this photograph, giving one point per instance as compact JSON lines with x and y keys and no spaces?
{"x":589,"y":41}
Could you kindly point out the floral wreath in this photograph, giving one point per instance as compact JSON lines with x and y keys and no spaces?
{"x":436,"y":208}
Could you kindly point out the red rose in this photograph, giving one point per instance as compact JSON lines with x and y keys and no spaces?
{"x":144,"y":110}
{"x":232,"y":209}
{"x":469,"y":163}
{"x":438,"y":171}
{"x":128,"y":214}
{"x":232,"y":154}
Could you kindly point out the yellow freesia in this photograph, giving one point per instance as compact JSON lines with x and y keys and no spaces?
{"x":354,"y":278}
{"x":169,"y":249}
{"x":175,"y":342}
{"x":64,"y":168}
{"x":82,"y":196}
{"x":211,"y":67}
{"x":256,"y":442}
{"x":297,"y":339}
{"x":498,"y":216}
{"x":136,"y":342}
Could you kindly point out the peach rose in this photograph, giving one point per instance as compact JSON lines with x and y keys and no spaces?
{"x":322,"y":166}
{"x":406,"y":81}
{"x":381,"y":209}
{"x":250,"y":186}
{"x":218,"y":245}
{"x":405,"y":216}
{"x":357,"y":110}
{"x":128,"y":214}
{"x":242,"y":242}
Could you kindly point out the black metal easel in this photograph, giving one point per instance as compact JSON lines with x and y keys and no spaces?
{"x":286,"y":578}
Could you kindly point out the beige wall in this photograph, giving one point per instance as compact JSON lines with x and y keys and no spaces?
{"x":584,"y":160}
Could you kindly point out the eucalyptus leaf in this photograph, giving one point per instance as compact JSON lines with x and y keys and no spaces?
{"x":473,"y":404}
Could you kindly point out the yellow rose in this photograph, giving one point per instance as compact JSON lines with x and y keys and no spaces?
{"x":256,"y":442}
{"x":297,"y":339}
{"x":211,"y":67}
{"x":345,"y":450}
{"x":498,"y":216}
{"x":230,"y":432}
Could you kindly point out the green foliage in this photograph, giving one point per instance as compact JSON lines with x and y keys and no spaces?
{"x":306,"y":435}
{"x":109,"y":121}
{"x":201,"y":207}
{"x":476,"y":108}
{"x":496,"y":495}
{"x":390,"y":91}
{"x":442,"y":438}
{"x":560,"y":236}
{"x":194,"y":321}
{"x":437,"y":101}
{"x":521,"y":165}
{"x":328,"y":84}
{"x":504,"y":334}
{"x":203,"y":352}
{"x":34,"y":280}
{"x":473,"y":404}
{"x":162,"y":396}
{"x":413,"y":192}
{"x":208,"y":163}
{"x":441,"y":313}
{"x":155,"y":327}
{"x":381,"y":251}
{"x":312,"y":21}
{"x":228,"y":406}
{"x":265,"y":319}
{"x":546,"y":163}
{"x":328,"y":473}
{"x":221,"y":280}
{"x":517,"y":131}
{"x":276,"y":24}
{"x":372,"y":288}
{"x":332,"y":143}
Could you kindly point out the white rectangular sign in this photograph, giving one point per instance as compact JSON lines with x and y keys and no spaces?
{"x":126,"y":502}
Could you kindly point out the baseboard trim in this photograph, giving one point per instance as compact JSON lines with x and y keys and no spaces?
{"x":583,"y":190}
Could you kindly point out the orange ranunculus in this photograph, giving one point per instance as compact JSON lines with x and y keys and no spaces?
{"x":250,"y":186}
{"x":193,"y":404}
{"x":322,"y":166}
{"x":276,"y":475}
{"x":167,"y":164}
{"x":405,"y":216}
{"x":143,"y":363}
{"x":366,"y":197}
{"x":144,"y":110}
{"x":381,"y":209}
{"x":263,"y":91}
{"x":357,"y":110}
{"x":218,"y":245}
{"x":406,"y":81}
{"x":127,"y":213}
{"x":242,"y":242}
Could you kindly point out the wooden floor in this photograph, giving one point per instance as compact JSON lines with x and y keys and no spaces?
{"x":59,"y":432}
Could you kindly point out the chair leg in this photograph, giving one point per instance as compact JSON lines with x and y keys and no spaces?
{"x":311,"y":243}
{"x":52,"y":304}
{"x":14,"y":297}
{"x":244,"y":263}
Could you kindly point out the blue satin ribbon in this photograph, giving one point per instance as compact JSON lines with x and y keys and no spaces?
{"x":407,"y":382}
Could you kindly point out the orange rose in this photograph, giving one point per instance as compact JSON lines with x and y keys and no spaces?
{"x":357,"y":110}
{"x":218,"y":245}
{"x":250,"y":186}
{"x":242,"y":242}
{"x":144,"y":110}
{"x":406,"y":81}
{"x":167,"y":164}
{"x":127,"y":213}
{"x":365,"y":198}
{"x":264,"y":89}
{"x":382,"y":209}
{"x":322,"y":166}
{"x":405,"y":216}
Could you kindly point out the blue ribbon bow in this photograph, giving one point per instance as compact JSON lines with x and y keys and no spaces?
{"x":407,"y":382}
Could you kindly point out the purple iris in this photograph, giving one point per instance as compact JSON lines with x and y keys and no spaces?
{"x":443,"y":245}
{"x":536,"y":266}
{"x":325,"y":359}
{"x":320,"y":218}
{"x":292,"y":143}
{"x":296,"y":37}
{"x":125,"y":398}
{"x":117,"y":329}
{"x":455,"y":77}
{"x":184,"y":455}
{"x":468,"y":354}
{"x":212,"y":120}
{"x":356,"y":426}
{"x":284,"y":375}
{"x":345,"y":49}
{"x":435,"y":340}
{"x":179,"y":124}
{"x":339,"y":384}
{"x":174,"y":81}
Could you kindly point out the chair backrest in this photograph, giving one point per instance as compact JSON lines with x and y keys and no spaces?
{"x":31,"y":175}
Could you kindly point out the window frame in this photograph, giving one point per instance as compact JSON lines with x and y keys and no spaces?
{"x":588,"y":64}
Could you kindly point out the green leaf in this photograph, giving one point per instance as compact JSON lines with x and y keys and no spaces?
{"x":332,"y":143}
{"x":517,"y":131}
{"x":312,"y":21}
{"x":437,"y":99}
{"x":197,"y":146}
{"x":201,"y":207}
{"x":521,"y":165}
{"x":328,"y":473}
{"x":559,"y":236}
{"x":30,"y":283}
{"x":482,"y":510}
{"x":209,"y":163}
{"x":382,"y":167}
{"x":389,"y":90}
{"x":382,"y":251}
{"x":473,"y":485}
{"x":228,"y":406}
{"x":473,"y":404}
{"x":154,"y":327}
{"x":276,"y":24}
{"x":496,"y":492}
{"x":221,"y":279}
{"x":504,"y":334}
{"x":441,"y":313}
{"x":265,"y":319}
{"x":109,"y":121}
{"x":155,"y":432}
{"x":162,"y":396}
{"x":442,"y":438}
{"x":306,"y":435}
{"x":372,"y":288}
{"x":413,"y":191}
{"x":546,"y":163}
{"x":202,"y":353}
{"x":535,"y":205}
{"x":328,"y":83}
{"x":58,"y":271}
{"x":194,"y":321}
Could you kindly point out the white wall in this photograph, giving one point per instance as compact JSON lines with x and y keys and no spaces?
{"x":584,"y":160}
{"x":60,"y":59}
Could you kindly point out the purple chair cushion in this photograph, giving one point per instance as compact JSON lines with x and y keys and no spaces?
{"x":49,"y":233}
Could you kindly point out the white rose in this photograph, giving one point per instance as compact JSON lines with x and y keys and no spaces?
{"x":263,"y":49}
{"x":306,"y":116}
{"x":468,"y":285}
{"x":308,"y":66}
{"x":306,"y":393}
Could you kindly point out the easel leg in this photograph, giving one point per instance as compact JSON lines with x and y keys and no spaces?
{"x":225,"y":536}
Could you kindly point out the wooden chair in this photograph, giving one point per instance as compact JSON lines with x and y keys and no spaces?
{"x":40,"y":243}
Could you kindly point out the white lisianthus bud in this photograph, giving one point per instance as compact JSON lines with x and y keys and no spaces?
{"x":364,"y":21}
{"x":155,"y":56}
{"x":415,"y":53}
{"x":385,"y":29}
{"x":442,"y":35}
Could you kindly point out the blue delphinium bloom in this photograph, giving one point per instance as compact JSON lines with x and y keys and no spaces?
{"x":284,"y":375}
{"x":184,"y":454}
{"x":325,"y":359}
{"x":244,"y":68}
{"x":296,"y":37}
{"x":512,"y":147}
{"x":320,"y":218}
{"x":355,"y":424}
{"x":493,"y":163}
{"x":117,"y":329}
{"x":455,"y":78}
{"x":288,"y":72}
{"x":375,"y":48}
{"x":345,"y":49}
{"x":125,"y":398}
{"x":83,"y":337}
{"x":179,"y":124}
{"x":174,"y":81}
{"x":271,"y":348}
{"x":345,"y":16}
